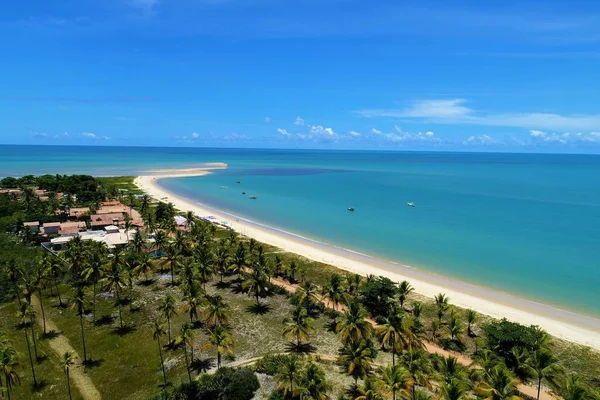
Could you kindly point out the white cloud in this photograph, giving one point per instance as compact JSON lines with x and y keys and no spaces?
{"x":236,"y":137}
{"x":480,"y":140}
{"x":66,"y":134}
{"x":89,"y":135}
{"x":284,"y":132}
{"x":354,"y":134}
{"x":299,"y":121}
{"x":402,"y":136}
{"x":318,"y":130}
{"x":376,"y":131}
{"x":105,"y":138}
{"x":195,"y":136}
{"x":267,"y":120}
{"x":454,"y":111}
{"x":564,"y":138}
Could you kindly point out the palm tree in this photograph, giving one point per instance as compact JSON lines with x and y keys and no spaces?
{"x":160,"y":241}
{"x":293,"y":268}
{"x":222,"y":260}
{"x":356,"y":358}
{"x":498,"y":384}
{"x":55,"y":270}
{"x":288,"y":375}
{"x":299,"y":327}
{"x":75,"y":255}
{"x":353,"y":283}
{"x":404,"y":289}
{"x":25,"y":317}
{"x":307,"y":295}
{"x":144,"y":265}
{"x":472,"y":317}
{"x":158,"y":330}
{"x":239,"y":259}
{"x":334,"y":290}
{"x":114,"y":281}
{"x":543,"y":365}
{"x":173,"y":259}
{"x":9,"y":363}
{"x":145,"y":204}
{"x":186,"y":338}
{"x":78,"y":303}
{"x":41,"y":275}
{"x":204,"y":271}
{"x":167,"y":309}
{"x":14,"y":273}
{"x":395,"y":379}
{"x":572,"y":388}
{"x":216,"y":311}
{"x":352,"y":325}
{"x":450,"y":369}
{"x":417,"y":364}
{"x":313,"y":383}
{"x":369,"y":390}
{"x":455,"y":327}
{"x":454,"y":390}
{"x":192,"y":299}
{"x":395,"y":333}
{"x":68,"y":359}
{"x":139,"y":242}
{"x":256,"y":283}
{"x":220,"y":338}
{"x":94,"y":271}
{"x":441,"y":303}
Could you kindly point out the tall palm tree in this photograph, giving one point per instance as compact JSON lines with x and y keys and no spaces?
{"x":139,"y":241}
{"x":173,"y":259}
{"x":313,"y":385}
{"x":216,"y":311}
{"x":288,"y":376}
{"x":158,"y":330}
{"x":334,"y":290}
{"x":307,"y":294}
{"x":395,"y":379}
{"x":369,"y":390}
{"x":299,"y":326}
{"x":293,"y":268}
{"x":14,"y":274}
{"x":455,"y":327}
{"x":353,"y":283}
{"x":454,"y":390}
{"x":472,"y":317}
{"x":186,"y":339}
{"x":220,"y":338}
{"x":404,"y":289}
{"x":9,"y":362}
{"x":68,"y":360}
{"x":55,"y":270}
{"x":222,"y":260}
{"x":192,"y":299}
{"x":114,"y":281}
{"x":94,"y":271}
{"x":144,"y":266}
{"x":75,"y":255}
{"x":498,"y":384}
{"x":145,"y":204}
{"x":256,"y":283}
{"x":356,"y":358}
{"x":168,"y":310}
{"x":417,"y":364}
{"x":441,"y":304}
{"x":543,"y":365}
{"x":450,"y":369}
{"x":40,"y":277}
{"x":394,"y":333}
{"x":204,"y":271}
{"x":25,"y":317}
{"x":352,"y":324}
{"x":78,"y":304}
{"x":161,"y":241}
{"x":239,"y":259}
{"x":572,"y":388}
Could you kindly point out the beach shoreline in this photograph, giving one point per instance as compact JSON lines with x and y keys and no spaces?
{"x":561,"y":323}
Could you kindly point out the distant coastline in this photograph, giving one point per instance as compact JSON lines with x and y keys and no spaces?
{"x":564,"y":324}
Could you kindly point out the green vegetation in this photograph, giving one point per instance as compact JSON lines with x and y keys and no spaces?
{"x":220,"y":316}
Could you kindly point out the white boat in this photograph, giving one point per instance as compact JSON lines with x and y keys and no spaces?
{"x":411,"y":204}
{"x":224,"y":187}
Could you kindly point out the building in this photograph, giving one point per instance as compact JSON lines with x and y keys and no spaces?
{"x":72,"y":228}
{"x":99,"y":221}
{"x":77,"y":212}
{"x":113,"y":237}
{"x":51,"y":228}
{"x":34,"y":226}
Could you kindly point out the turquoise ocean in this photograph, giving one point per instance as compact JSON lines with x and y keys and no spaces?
{"x":526,"y":224}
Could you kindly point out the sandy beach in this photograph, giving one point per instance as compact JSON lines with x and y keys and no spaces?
{"x":560,"y":323}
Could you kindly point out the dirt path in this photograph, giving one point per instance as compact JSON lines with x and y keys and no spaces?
{"x":429,"y":346}
{"x":60,"y":344}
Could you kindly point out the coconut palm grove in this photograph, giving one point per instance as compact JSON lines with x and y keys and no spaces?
{"x":157,"y":303}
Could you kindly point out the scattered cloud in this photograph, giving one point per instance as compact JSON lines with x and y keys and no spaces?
{"x":39,"y":135}
{"x":402,"y":136}
{"x":89,"y":135}
{"x":267,"y":120}
{"x":235,"y":137}
{"x":195,"y":135}
{"x":66,"y":134}
{"x":455,"y":112}
{"x":299,"y":121}
{"x":354,"y":134}
{"x":376,"y":131}
{"x":318,"y":130}
{"x":564,"y":138}
{"x":484,"y":140}
{"x":284,"y":132}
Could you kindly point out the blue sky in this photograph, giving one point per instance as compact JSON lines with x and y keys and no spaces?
{"x":344,"y":74}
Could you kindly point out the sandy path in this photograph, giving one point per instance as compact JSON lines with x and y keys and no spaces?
{"x":60,"y":344}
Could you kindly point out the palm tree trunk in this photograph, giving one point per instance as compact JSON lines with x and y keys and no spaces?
{"x":30,"y":358}
{"x":192,"y":351}
{"x":539,"y":386}
{"x":187,"y":363}
{"x":172,"y":275}
{"x":69,"y":383}
{"x":169,"y":327}
{"x":162,"y":363}
{"x":82,"y":336}
{"x":119,"y":306}
{"x":42,"y":307}
{"x":394,"y":394}
{"x":33,"y":337}
{"x":60,"y":302}
{"x":17,"y":290}
{"x":94,"y":303}
{"x":218,"y":359}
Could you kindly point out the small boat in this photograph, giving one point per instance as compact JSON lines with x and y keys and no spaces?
{"x":411,"y":204}
{"x":238,"y":182}
{"x":350,"y":208}
{"x":252,"y":197}
{"x":224,"y":187}
{"x":243,"y":192}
